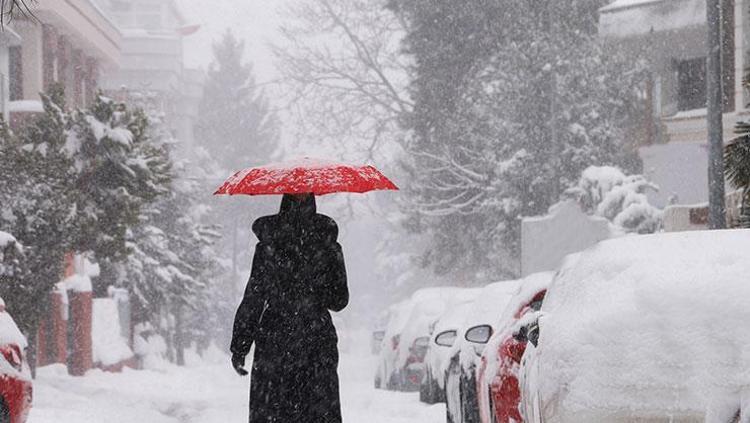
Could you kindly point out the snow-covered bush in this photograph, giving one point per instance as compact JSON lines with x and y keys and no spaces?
{"x":11,"y":253}
{"x":607,"y":192}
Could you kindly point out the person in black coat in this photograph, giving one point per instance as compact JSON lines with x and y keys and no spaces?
{"x":298,"y":275}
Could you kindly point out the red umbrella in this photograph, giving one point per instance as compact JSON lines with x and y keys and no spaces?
{"x":306,"y":176}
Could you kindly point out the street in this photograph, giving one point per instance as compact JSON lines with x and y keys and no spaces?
{"x":205,"y":392}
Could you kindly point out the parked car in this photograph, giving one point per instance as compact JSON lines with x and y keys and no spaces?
{"x":401,"y":364}
{"x":378,"y":331}
{"x":445,"y":333}
{"x":15,"y":376}
{"x":476,"y":330}
{"x":497,"y":377}
{"x":376,"y":341}
{"x":643,"y":328}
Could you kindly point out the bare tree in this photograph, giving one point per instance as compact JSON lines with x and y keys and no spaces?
{"x":11,"y":9}
{"x":342,"y":61}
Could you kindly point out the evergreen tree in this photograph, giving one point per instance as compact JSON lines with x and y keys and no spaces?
{"x":39,"y":205}
{"x":173,"y":267}
{"x":236,"y":125}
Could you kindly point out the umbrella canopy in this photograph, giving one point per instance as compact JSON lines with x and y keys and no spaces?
{"x":306,"y":176}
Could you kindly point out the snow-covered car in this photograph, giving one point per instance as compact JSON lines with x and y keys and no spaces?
{"x":498,"y":393}
{"x":401,"y":361}
{"x":376,"y":341}
{"x":445,"y":333}
{"x":475,"y":332}
{"x":15,"y":376}
{"x":648,"y":328}
{"x":378,"y":331}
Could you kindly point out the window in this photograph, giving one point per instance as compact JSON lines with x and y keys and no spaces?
{"x":691,"y":84}
{"x":15,"y":78}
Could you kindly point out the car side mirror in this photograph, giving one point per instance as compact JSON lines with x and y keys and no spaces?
{"x":446,"y":339}
{"x":479,"y":334}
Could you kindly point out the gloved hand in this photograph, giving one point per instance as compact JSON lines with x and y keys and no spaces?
{"x":238,"y":362}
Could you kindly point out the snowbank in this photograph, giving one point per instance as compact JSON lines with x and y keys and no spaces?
{"x":648,"y":326}
{"x":109,"y":347}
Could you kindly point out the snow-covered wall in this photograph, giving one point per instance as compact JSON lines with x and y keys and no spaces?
{"x":546,"y":240}
{"x":680,"y":171}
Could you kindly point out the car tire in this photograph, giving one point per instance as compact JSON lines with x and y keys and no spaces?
{"x":393,"y":383}
{"x":378,"y":383}
{"x":4,"y":412}
{"x":427,"y":390}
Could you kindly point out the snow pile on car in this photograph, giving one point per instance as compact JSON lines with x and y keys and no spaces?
{"x":9,"y":332}
{"x":650,"y":325}
{"x":427,"y":305}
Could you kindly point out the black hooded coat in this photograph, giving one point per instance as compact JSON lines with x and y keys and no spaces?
{"x":298,"y":275}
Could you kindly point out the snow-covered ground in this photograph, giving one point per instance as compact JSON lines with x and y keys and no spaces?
{"x":204,"y":392}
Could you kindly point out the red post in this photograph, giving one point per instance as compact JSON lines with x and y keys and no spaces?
{"x":81,"y":359}
{"x":59,"y":328}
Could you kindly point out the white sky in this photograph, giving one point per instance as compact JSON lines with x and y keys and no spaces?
{"x":255,"y":21}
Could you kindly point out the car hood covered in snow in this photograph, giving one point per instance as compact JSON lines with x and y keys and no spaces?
{"x":652,"y":325}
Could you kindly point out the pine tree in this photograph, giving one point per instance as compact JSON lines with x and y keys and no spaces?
{"x":236,"y":125}
{"x":39,"y":205}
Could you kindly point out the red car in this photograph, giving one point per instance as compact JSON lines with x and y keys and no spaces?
{"x":15,"y":376}
{"x":497,"y":377}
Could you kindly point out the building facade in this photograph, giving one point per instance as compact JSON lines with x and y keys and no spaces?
{"x":154,"y":36}
{"x":68,"y":42}
{"x":671,"y":35}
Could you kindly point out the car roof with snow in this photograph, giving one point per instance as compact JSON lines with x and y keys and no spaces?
{"x":648,"y":303}
{"x":427,"y":304}
{"x":490,"y":303}
{"x":453,"y":318}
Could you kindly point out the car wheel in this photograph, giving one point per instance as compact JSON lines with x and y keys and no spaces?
{"x":427,"y":391}
{"x":392,"y":384}
{"x":377,"y":383}
{"x":4,"y":412}
{"x":424,"y":391}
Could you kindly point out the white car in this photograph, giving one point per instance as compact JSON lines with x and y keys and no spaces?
{"x":650,"y":328}
{"x":444,"y":335}
{"x":401,"y":360}
{"x":476,"y":330}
